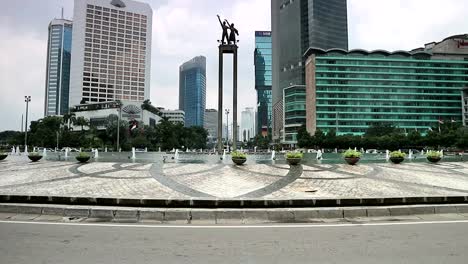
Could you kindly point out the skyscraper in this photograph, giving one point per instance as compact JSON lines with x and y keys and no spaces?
{"x":247,"y":128}
{"x":57,"y":84}
{"x":111,"y":53}
{"x":211,"y":124}
{"x":262,"y":62}
{"x":192,"y":90}
{"x":296,"y":26}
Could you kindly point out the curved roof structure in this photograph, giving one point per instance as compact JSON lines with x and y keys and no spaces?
{"x":320,"y":51}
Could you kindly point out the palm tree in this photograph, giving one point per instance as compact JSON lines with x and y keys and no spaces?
{"x":81,"y":121}
{"x":69,"y":119}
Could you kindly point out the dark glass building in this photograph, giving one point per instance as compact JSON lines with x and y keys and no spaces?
{"x":262,"y":61}
{"x":296,"y":26}
{"x":192,"y":91}
{"x":57,"y":84}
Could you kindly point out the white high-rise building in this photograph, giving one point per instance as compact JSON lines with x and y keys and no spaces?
{"x":111,"y":54}
{"x":247,"y":128}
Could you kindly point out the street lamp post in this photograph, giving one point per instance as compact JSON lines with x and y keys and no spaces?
{"x":118,"y":126}
{"x":27,"y":99}
{"x":226,"y":111}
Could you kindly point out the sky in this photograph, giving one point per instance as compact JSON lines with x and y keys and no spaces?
{"x":183,"y":29}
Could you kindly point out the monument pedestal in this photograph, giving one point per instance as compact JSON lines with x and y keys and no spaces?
{"x":227,"y":49}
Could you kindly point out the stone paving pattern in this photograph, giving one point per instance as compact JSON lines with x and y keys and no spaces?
{"x":224,"y":180}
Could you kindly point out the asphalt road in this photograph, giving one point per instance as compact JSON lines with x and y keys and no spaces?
{"x":104,"y":243}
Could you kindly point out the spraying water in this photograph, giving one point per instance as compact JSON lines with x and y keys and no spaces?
{"x":319,"y":154}
{"x":410,"y":156}
{"x":96,"y":154}
{"x":387,"y":154}
{"x":133,"y":154}
{"x":44,"y":152}
{"x":273,"y":155}
{"x":176,"y":155}
{"x":224,"y":154}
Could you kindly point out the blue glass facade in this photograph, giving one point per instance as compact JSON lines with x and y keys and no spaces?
{"x":58,"y":68}
{"x":263,"y":79}
{"x":192,"y":91}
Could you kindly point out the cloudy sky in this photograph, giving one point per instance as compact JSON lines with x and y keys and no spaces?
{"x":183,"y":29}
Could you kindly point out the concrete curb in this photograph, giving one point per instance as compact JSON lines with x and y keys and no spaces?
{"x":225,"y":216}
{"x":233,"y":203}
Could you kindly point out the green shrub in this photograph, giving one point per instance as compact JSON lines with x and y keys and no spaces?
{"x":434,"y":154}
{"x":34,"y":154}
{"x":351,"y":153}
{"x":238,"y":155}
{"x":294,"y":155}
{"x":397,"y":154}
{"x":83,"y":155}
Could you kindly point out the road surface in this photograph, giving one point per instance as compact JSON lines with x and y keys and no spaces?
{"x":399,"y":242}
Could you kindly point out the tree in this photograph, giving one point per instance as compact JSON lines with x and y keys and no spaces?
{"x":82,"y":122}
{"x":69,"y":119}
{"x":380,"y":129}
{"x":318,"y":139}
{"x":304,"y":139}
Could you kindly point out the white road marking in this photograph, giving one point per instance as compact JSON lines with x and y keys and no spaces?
{"x":238,"y":226}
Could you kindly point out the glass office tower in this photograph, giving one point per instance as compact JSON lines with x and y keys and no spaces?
{"x":351,"y":91}
{"x":263,"y":79}
{"x":57,"y":85}
{"x":296,"y":26}
{"x":192,"y":91}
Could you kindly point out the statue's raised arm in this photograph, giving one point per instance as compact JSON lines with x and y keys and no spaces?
{"x":224,"y":37}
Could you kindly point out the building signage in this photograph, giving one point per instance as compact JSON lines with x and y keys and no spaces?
{"x":263,"y":33}
{"x":131,"y":111}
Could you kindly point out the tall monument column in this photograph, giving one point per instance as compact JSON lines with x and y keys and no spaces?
{"x":228,"y":45}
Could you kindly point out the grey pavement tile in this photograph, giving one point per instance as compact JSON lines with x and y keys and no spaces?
{"x":23,"y":217}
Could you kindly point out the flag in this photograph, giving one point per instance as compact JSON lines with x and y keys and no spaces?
{"x":430,"y":129}
{"x":133,"y":127}
{"x":453,"y":121}
{"x":440,"y":121}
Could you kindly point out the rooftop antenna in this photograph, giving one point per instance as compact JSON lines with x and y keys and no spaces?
{"x":62,"y":12}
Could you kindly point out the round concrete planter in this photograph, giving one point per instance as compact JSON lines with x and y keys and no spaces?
{"x":34,"y":158}
{"x":397,"y":160}
{"x":352,"y":161}
{"x":434,"y":159}
{"x":82,"y":159}
{"x":239,"y":161}
{"x":293,"y":161}
{"x":3,"y":156}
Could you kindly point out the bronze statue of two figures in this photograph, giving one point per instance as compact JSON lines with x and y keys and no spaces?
{"x":231,"y":40}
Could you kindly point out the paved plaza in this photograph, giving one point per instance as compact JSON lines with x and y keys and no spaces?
{"x":225,"y":180}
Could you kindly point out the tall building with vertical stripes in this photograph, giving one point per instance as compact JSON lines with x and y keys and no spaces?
{"x":57,"y":84}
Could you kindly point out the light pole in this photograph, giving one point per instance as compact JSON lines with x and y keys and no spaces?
{"x":226,"y":111}
{"x":118,"y":126}
{"x":27,"y":99}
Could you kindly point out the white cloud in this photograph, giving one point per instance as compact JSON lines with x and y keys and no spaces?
{"x":22,"y":72}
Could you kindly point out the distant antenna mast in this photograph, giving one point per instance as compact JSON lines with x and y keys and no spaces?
{"x":62,"y":12}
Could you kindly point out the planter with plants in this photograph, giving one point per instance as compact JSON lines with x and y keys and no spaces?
{"x":238,"y":157}
{"x":82,"y":157}
{"x":3,"y":155}
{"x":294,"y":158}
{"x":433,"y":156}
{"x":34,"y":156}
{"x":397,"y":156}
{"x":352,"y":156}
